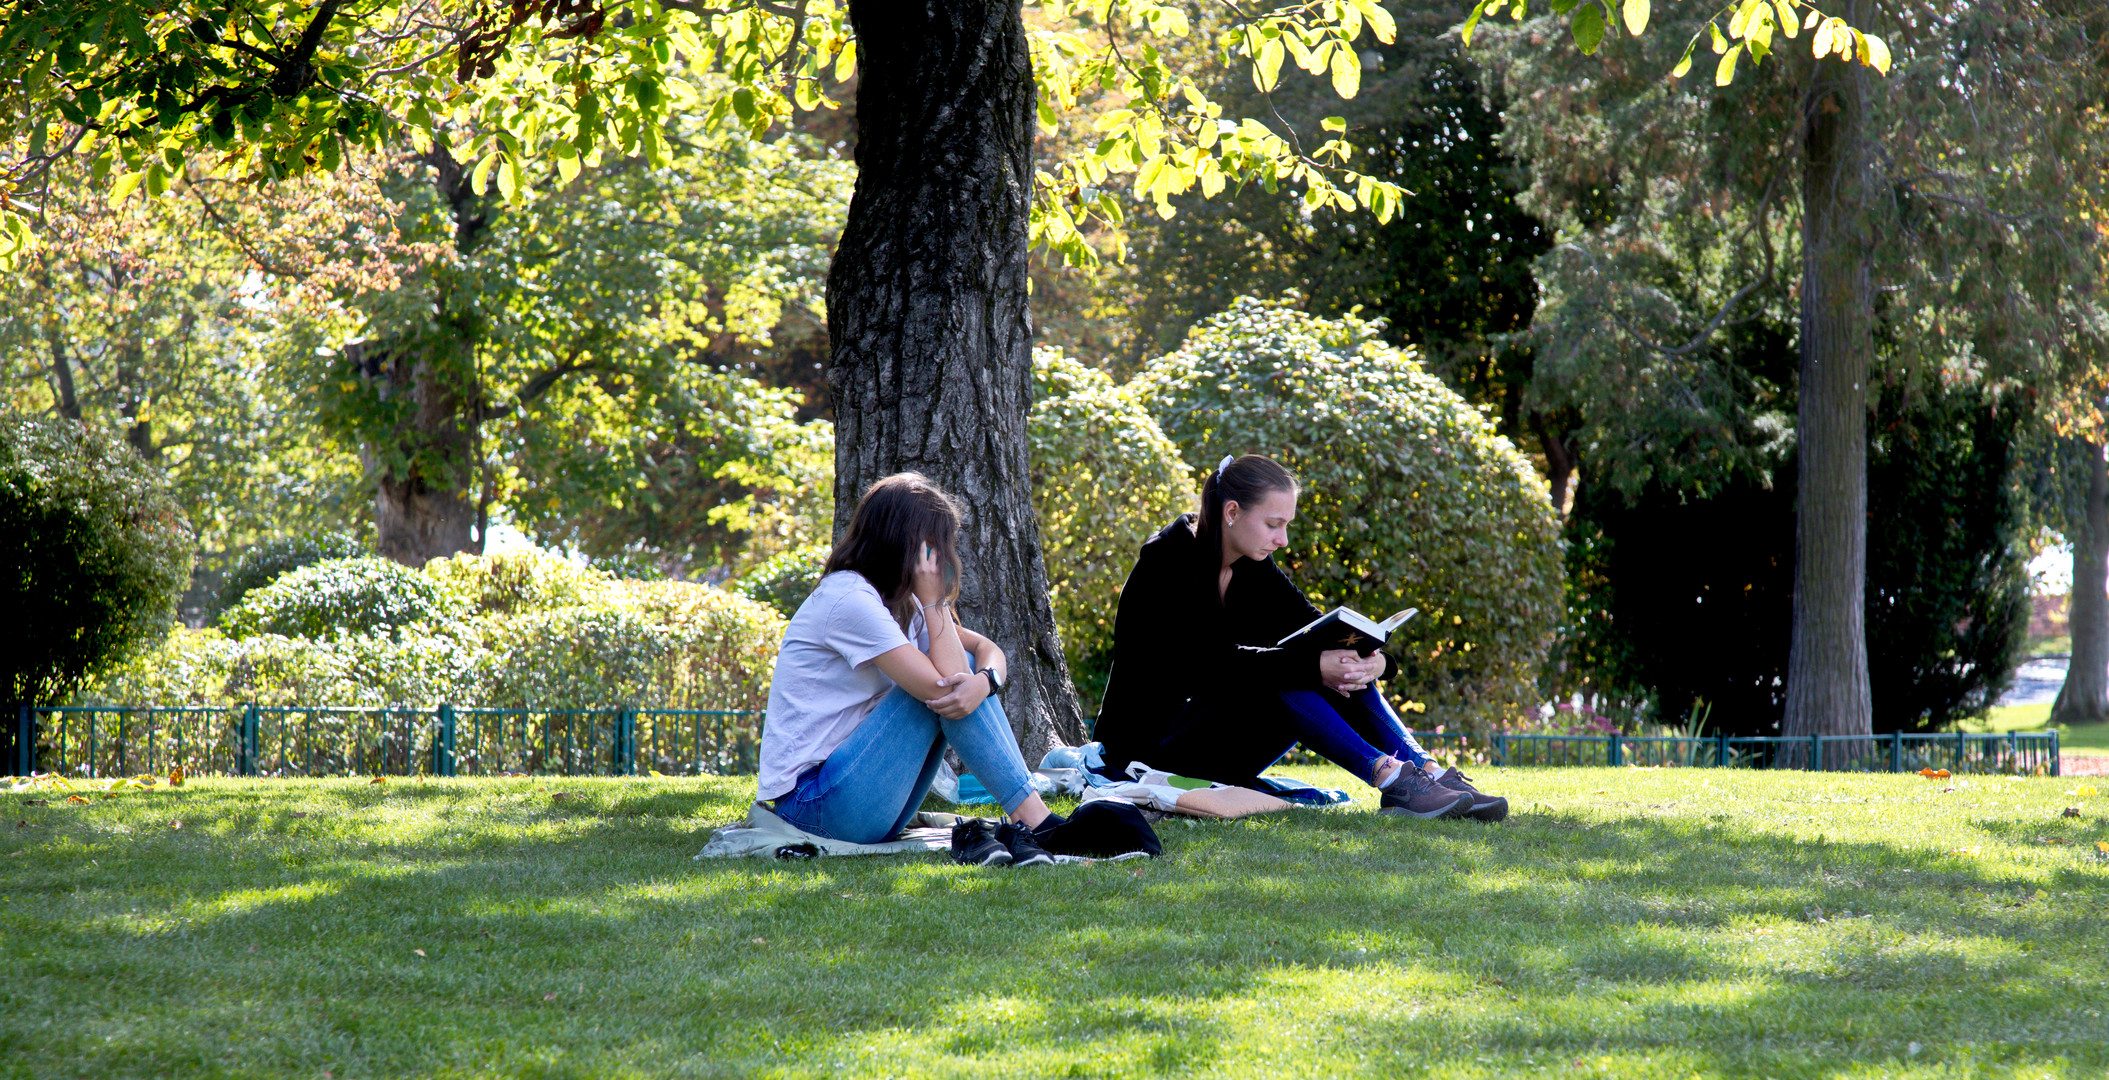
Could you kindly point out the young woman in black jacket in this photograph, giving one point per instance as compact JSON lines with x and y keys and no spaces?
{"x":1199,"y":688}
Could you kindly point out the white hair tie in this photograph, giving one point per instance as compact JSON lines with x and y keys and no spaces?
{"x":1221,"y":465}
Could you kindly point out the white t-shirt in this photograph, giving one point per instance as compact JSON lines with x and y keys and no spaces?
{"x":825,"y":681}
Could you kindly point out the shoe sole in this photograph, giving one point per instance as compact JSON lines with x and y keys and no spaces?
{"x":1492,"y":811}
{"x":998,"y":857}
{"x":1456,"y":809}
{"x":1042,"y":859}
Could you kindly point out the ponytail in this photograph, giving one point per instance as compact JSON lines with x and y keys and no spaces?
{"x":1243,"y":480}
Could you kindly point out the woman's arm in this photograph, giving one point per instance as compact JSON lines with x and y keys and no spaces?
{"x":941,"y":675}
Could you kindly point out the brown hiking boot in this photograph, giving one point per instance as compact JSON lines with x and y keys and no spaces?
{"x":1414,"y":792}
{"x":1485,"y":807}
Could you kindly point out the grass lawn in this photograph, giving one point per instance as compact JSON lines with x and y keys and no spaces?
{"x":2091,"y":739}
{"x":1624,"y":923}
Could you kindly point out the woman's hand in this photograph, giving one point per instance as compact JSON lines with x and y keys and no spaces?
{"x":968,"y":691}
{"x":929,"y":581}
{"x":1344,"y":671}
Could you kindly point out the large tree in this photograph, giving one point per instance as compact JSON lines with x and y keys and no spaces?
{"x":1943,"y":189}
{"x":932,"y":335}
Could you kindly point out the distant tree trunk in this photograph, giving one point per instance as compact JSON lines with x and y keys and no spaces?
{"x":2084,"y":699}
{"x":1827,"y":682}
{"x":932,"y":341}
{"x":424,"y":503}
{"x":1559,"y":460}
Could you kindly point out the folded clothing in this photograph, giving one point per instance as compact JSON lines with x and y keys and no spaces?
{"x":1102,"y":829}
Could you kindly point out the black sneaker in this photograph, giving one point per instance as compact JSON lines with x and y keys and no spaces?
{"x":1485,"y":807}
{"x":1024,"y":847}
{"x":1417,"y":793}
{"x":975,"y":843}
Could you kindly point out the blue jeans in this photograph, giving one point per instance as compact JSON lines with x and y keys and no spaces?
{"x":871,"y":786}
{"x":1233,"y":738}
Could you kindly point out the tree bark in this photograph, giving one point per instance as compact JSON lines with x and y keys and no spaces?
{"x":1827,"y":681}
{"x":1559,"y":460}
{"x":932,"y":341}
{"x":2084,"y":699}
{"x":424,"y":505}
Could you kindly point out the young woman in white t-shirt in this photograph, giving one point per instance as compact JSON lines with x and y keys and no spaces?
{"x":876,"y":677}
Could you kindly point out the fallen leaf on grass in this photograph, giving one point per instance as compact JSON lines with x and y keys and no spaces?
{"x":378,"y":780}
{"x":2052,"y":840}
{"x":175,"y":824}
{"x":175,"y":777}
{"x":298,"y":813}
{"x":75,"y":798}
{"x":1971,"y":850}
{"x":1934,"y":774}
{"x":550,"y":996}
{"x":560,"y":796}
{"x":36,"y":802}
{"x":2071,"y":811}
{"x":761,"y":941}
{"x":2102,"y":846}
{"x":2084,"y":791}
{"x":420,"y":952}
{"x":1601,"y":791}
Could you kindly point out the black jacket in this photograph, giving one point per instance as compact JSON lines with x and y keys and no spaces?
{"x":1173,"y":639}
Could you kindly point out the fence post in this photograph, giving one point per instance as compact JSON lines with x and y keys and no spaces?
{"x":2055,"y":766}
{"x":1720,"y":749}
{"x":25,"y":756}
{"x":626,"y":741}
{"x":1896,"y":751}
{"x":1501,"y":749}
{"x":443,"y":744}
{"x":251,"y":722}
{"x":1815,"y":752}
{"x":1612,"y":754}
{"x":1961,"y":748}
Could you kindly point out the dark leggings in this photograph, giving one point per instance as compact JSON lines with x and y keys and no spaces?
{"x":1232,"y":739}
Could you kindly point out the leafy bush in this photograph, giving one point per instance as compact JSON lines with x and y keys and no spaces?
{"x":514,"y":582}
{"x":784,"y":580}
{"x":272,"y":559}
{"x":1104,"y":479}
{"x":1409,"y":497}
{"x":93,"y":555}
{"x":723,"y":647}
{"x":347,"y":596}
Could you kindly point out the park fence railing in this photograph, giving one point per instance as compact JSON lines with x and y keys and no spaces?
{"x":448,"y":740}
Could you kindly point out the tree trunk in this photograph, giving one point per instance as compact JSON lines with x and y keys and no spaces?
{"x":1827,"y":683}
{"x":423,"y":509}
{"x":424,"y":504}
{"x":932,"y":341}
{"x":2084,"y":699}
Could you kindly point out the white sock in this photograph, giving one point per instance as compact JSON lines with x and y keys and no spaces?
{"x":1398,"y":769}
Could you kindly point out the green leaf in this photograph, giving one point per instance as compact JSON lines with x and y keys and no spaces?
{"x":1684,"y":64}
{"x":846,"y":62}
{"x":1380,"y":22}
{"x":125,"y":186}
{"x":1588,"y":28}
{"x":1333,"y":123}
{"x":1267,"y":72}
{"x":1472,"y":21}
{"x":1347,"y":72}
{"x":1636,"y":13}
{"x":508,"y":180}
{"x":1726,"y":72}
{"x":480,"y":178}
{"x":743,"y":104}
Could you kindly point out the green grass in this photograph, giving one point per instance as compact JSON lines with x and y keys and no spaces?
{"x":2091,"y":739}
{"x":1627,"y":923}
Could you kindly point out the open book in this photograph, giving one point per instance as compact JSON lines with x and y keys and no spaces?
{"x":1342,"y":628}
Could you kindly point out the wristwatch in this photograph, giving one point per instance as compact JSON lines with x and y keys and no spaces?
{"x":995,"y":680}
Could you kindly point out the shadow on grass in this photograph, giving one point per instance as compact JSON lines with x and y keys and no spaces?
{"x":580,"y":928}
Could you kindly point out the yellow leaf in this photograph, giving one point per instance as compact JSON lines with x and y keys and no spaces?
{"x":377,"y":780}
{"x":1636,"y":13}
{"x":2084,"y":790}
{"x":1726,"y":72}
{"x":2102,"y":846}
{"x":1786,"y":16}
{"x":1269,"y":69}
{"x":1683,"y":66}
{"x":1875,"y":53}
{"x":1347,"y":73}
{"x":175,"y":776}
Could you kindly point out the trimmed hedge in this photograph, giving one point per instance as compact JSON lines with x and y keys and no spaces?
{"x":1410,"y":498}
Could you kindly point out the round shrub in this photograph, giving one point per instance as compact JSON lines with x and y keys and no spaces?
{"x":1409,"y":498}
{"x":721,"y":647}
{"x":577,"y":657}
{"x":338,"y":596}
{"x":272,"y":559}
{"x":783,"y":580}
{"x":514,"y":582}
{"x":1104,"y":479}
{"x":93,"y":555}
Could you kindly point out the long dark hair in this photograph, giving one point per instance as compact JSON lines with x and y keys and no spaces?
{"x":1245,"y":481}
{"x":896,"y":516}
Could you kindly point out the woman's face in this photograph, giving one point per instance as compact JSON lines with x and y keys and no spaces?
{"x":1261,"y":529}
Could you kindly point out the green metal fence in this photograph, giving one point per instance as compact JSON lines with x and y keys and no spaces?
{"x":254,"y":740}
{"x":1957,"y":752}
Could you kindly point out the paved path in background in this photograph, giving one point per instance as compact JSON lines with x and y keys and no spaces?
{"x":2036,"y":682}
